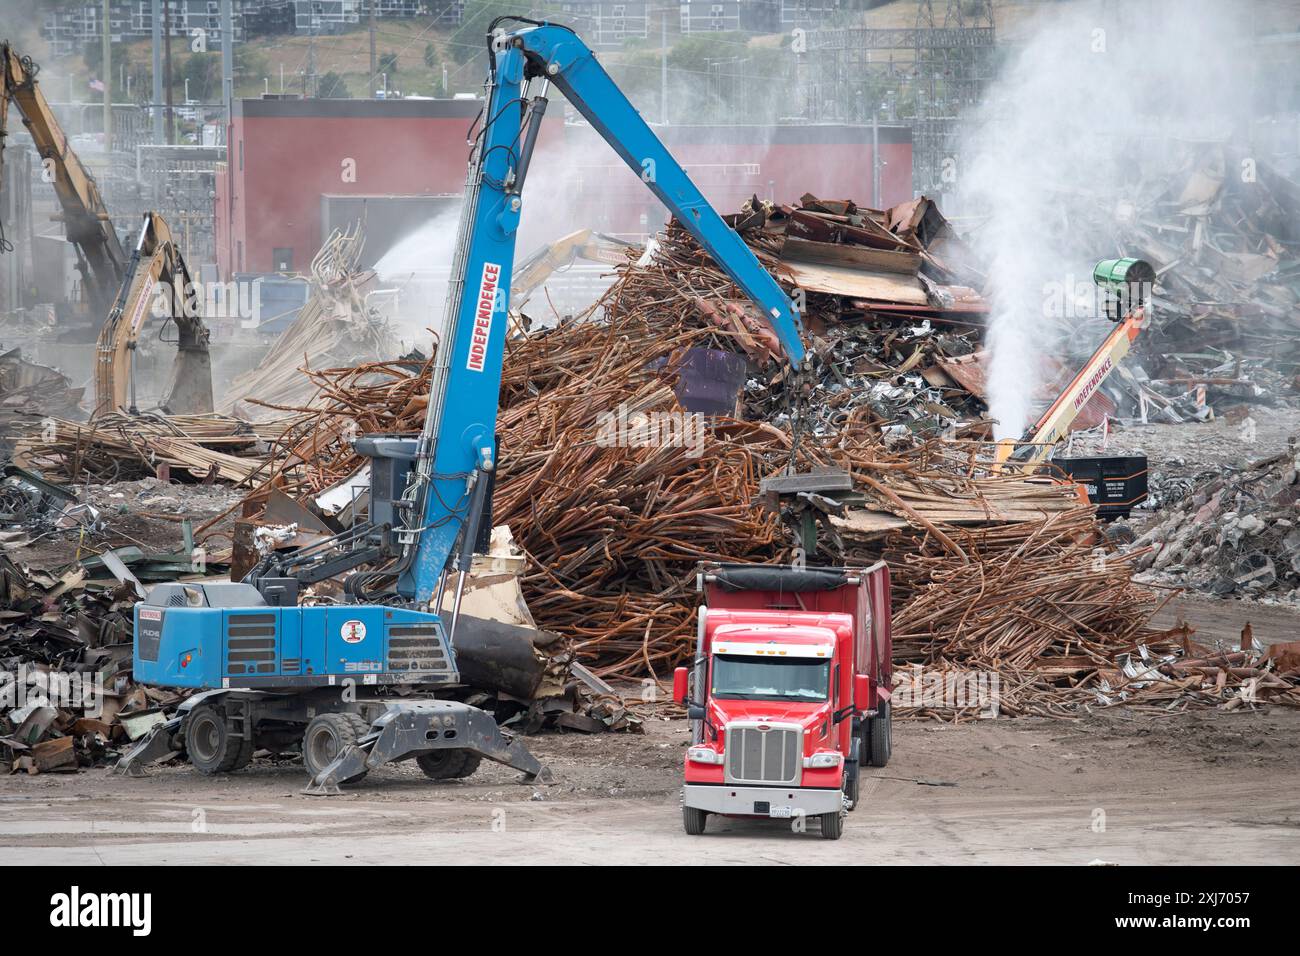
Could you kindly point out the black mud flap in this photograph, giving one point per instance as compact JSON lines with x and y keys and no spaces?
{"x":414,"y":727}
{"x":155,"y":745}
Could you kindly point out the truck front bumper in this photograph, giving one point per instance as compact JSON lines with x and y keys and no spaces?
{"x":779,"y":802}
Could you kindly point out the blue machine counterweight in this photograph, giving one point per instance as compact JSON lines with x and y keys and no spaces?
{"x":273,"y":673}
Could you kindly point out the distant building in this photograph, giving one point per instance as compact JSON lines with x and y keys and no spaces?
{"x":268,"y":222}
{"x":718,"y":16}
{"x":71,"y":28}
{"x":607,"y":24}
{"x":807,"y":13}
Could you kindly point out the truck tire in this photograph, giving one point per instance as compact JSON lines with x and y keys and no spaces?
{"x":832,"y":825}
{"x":448,"y":764}
{"x":694,"y":820}
{"x":880,"y":736}
{"x":325,"y":738}
{"x":211,"y":746}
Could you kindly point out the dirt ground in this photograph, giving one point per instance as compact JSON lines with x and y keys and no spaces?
{"x":1203,"y":788}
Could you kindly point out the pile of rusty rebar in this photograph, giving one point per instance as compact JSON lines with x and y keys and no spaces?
{"x":992,"y":574}
{"x":120,"y":447}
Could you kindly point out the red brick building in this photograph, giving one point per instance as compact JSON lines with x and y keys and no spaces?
{"x":298,"y":166}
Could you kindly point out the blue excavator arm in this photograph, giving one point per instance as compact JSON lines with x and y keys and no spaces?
{"x":446,"y":499}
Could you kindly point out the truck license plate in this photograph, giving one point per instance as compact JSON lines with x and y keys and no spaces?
{"x":781,"y":813}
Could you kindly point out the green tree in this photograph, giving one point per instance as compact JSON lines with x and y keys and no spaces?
{"x":332,"y":86}
{"x":203,"y":70}
{"x":388,"y":63}
{"x":431,"y":59}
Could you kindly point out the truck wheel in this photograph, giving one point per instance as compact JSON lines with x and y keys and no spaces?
{"x":448,"y":764}
{"x":211,"y":746}
{"x":694,"y":819}
{"x":832,"y":825}
{"x":880,"y":736}
{"x":325,"y":739}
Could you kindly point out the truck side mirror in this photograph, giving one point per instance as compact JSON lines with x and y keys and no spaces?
{"x":680,"y":676}
{"x":861,"y":691}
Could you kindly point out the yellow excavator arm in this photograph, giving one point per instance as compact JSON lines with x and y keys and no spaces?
{"x":156,"y":271}
{"x":101,"y":259}
{"x":1127,"y":284}
{"x":583,"y":244}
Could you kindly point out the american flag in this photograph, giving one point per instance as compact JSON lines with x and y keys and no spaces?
{"x":97,"y":85}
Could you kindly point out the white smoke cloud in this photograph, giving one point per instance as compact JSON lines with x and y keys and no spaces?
{"x":1070,"y":114}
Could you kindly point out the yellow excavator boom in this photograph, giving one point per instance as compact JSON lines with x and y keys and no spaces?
{"x":101,"y":259}
{"x":156,"y":271}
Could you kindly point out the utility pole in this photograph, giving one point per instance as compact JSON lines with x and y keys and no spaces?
{"x":155,"y":21}
{"x":227,"y":61}
{"x":309,"y":75}
{"x":663,"y":64}
{"x":167,"y":70}
{"x":106,"y":77}
{"x":875,"y":157}
{"x":374,"y":59}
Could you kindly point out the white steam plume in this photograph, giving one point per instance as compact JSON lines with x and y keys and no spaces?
{"x":1070,"y":115}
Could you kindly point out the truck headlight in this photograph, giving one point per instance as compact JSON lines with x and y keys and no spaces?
{"x":821,"y":761}
{"x":703,"y":755}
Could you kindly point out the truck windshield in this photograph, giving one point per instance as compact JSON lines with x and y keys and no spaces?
{"x":757,"y":678}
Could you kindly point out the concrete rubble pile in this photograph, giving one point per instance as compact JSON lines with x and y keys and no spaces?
{"x":1233,"y":534}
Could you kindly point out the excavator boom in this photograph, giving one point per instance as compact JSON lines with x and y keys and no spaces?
{"x":85,"y":217}
{"x":156,"y":269}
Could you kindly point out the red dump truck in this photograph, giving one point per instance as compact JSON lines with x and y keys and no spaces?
{"x":788,"y":695}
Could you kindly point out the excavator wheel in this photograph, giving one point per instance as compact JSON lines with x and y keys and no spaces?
{"x":212,"y":748}
{"x":448,"y":764}
{"x":832,"y":825}
{"x":360,"y":723}
{"x":694,"y":820}
{"x":325,"y":738}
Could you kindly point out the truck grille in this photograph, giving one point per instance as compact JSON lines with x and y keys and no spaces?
{"x":772,"y":755}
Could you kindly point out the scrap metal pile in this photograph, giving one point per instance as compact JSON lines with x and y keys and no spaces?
{"x":117,"y":447}
{"x":26,"y":387}
{"x":339,"y":324}
{"x":886,"y":296}
{"x":1220,"y":229}
{"x":613,"y":507}
{"x":1234,"y":534}
{"x":1005,"y":599}
{"x":66,"y":695}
